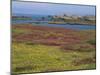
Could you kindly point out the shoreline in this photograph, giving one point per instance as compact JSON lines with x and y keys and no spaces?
{"x":64,"y":23}
{"x":59,"y":23}
{"x":26,"y":26}
{"x":75,"y":24}
{"x":63,"y":27}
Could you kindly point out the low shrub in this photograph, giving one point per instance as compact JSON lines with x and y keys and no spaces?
{"x":92,"y":42}
{"x":30,"y":43}
{"x":23,"y":68}
{"x":89,"y":60}
{"x":86,"y":48}
{"x":78,"y":47}
{"x":70,"y":47}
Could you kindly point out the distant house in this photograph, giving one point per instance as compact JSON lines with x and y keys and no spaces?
{"x":67,"y":17}
{"x":90,"y":18}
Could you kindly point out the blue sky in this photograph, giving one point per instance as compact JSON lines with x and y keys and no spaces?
{"x":50,"y":9}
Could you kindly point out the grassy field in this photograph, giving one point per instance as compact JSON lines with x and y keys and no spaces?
{"x":46,"y":49}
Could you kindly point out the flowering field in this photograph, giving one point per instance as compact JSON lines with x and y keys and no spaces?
{"x":46,"y":49}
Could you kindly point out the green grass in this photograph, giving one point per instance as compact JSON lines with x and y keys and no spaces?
{"x":20,"y":31}
{"x":41,"y":58}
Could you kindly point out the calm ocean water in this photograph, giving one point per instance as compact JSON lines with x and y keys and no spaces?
{"x":45,"y":23}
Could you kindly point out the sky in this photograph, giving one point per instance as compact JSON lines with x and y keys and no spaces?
{"x":35,"y":8}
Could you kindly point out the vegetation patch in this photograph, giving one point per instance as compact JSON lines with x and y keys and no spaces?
{"x":45,"y":49}
{"x":90,"y":60}
{"x":78,"y":47}
{"x":92,"y":42}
